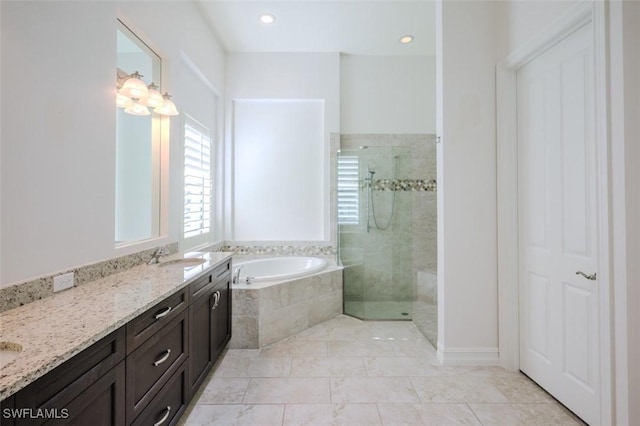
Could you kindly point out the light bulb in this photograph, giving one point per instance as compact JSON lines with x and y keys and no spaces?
{"x":168,"y":108}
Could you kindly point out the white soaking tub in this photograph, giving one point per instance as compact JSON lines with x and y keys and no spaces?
{"x":278,"y":268}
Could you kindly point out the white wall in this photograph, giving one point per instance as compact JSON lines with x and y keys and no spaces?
{"x":521,"y":20}
{"x":387,"y":94}
{"x":58,"y":144}
{"x":284,"y":76}
{"x":625,"y":200}
{"x":467,"y":253}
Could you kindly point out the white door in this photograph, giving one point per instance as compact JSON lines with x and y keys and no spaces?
{"x":557,"y":225}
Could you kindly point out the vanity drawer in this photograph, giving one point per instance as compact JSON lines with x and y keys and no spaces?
{"x":167,"y":407}
{"x":221,"y":270}
{"x":201,"y":286}
{"x":71,"y":380}
{"x":154,"y":362}
{"x":147,"y":324}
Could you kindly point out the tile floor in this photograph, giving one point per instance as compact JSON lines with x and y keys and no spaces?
{"x":350,"y":372}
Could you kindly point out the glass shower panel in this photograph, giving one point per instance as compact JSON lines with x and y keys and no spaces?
{"x":375,"y":232}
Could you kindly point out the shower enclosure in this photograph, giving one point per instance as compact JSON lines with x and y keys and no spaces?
{"x":375,"y":231}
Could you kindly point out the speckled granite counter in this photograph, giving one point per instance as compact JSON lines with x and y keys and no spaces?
{"x":54,"y":329}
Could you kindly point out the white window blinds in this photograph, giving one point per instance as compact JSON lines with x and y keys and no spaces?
{"x":197,"y":179}
{"x":348,"y":194}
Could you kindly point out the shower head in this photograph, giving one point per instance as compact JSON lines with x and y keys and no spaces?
{"x":371,"y":172}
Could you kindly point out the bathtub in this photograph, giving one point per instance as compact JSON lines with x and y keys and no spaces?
{"x":288,"y":294}
{"x":278,"y":268}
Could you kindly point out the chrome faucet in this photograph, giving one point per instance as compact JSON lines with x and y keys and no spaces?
{"x":156,"y":256}
{"x":236,"y":275}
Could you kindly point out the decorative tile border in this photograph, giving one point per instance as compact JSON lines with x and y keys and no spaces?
{"x":404,"y":185}
{"x":281,"y":250}
{"x":28,"y":291}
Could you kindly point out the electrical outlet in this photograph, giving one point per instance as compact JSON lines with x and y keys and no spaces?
{"x":63,"y":282}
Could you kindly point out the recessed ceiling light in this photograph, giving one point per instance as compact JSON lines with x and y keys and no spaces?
{"x":406,"y":39}
{"x":267,"y":18}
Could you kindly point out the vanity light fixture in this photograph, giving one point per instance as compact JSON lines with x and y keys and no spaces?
{"x":134,"y":87}
{"x":136,"y":97}
{"x":267,"y":18}
{"x":155,"y":98}
{"x":168,"y":108}
{"x":406,"y":39}
{"x":134,"y":107}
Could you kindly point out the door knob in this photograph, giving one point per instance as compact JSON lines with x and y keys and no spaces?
{"x":591,"y":277}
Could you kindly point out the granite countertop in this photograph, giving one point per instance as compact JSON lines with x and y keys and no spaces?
{"x":54,"y":329}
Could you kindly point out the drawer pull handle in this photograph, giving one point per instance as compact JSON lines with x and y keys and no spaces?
{"x":163,"y":359}
{"x":164,"y":313}
{"x":165,"y":417}
{"x":216,"y":299}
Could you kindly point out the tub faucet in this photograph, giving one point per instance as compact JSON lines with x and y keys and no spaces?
{"x":156,"y":256}
{"x":236,"y":275}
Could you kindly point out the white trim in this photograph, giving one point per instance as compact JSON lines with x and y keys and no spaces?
{"x":509,"y":335}
{"x":468,"y":356}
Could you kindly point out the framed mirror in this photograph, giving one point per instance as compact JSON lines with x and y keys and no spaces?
{"x":137,"y":195}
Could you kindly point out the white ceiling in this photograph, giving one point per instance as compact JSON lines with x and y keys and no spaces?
{"x":353,"y":27}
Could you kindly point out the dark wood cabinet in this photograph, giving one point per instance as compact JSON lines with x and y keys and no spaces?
{"x":144,"y":373}
{"x":168,"y":405}
{"x":151,"y":365}
{"x":209,"y":322}
{"x":91,"y":384}
{"x":221,"y":316}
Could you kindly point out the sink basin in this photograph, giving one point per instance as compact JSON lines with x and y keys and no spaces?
{"x":185,"y":262}
{"x":8,"y":352}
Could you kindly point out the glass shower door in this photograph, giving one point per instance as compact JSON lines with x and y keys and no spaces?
{"x":375,"y":232}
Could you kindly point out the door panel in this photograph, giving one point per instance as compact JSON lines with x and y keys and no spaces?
{"x":557,"y":228}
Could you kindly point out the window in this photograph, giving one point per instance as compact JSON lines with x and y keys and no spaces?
{"x":348,"y":191}
{"x":197,"y":179}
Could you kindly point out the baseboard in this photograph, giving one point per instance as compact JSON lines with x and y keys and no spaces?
{"x":468,"y":356}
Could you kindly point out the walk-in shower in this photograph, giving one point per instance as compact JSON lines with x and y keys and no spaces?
{"x":375,"y":238}
{"x":386,"y":226}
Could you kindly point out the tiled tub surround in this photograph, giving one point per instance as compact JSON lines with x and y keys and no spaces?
{"x":54,"y":329}
{"x":28,"y":291}
{"x":265,"y":312}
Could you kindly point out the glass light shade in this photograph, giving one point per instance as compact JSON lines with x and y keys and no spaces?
{"x":155,"y":99}
{"x":134,"y":107}
{"x":168,"y":108}
{"x":121,"y":100}
{"x":134,"y":87}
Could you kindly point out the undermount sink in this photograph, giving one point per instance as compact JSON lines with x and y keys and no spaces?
{"x":8,"y":352}
{"x":183,"y":263}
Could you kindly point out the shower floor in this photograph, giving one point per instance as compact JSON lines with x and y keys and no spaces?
{"x":379,"y":310}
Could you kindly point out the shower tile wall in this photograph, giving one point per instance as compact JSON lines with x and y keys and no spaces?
{"x":409,"y":258}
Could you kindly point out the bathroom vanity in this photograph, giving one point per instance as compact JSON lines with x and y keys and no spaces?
{"x":115,"y":363}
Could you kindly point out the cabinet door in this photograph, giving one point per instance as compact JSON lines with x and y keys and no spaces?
{"x":200,"y":332}
{"x":221,"y":316}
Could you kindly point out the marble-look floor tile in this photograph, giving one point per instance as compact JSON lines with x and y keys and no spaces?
{"x":344,"y":348}
{"x":288,"y":391}
{"x":457,"y":389}
{"x":524,"y":415}
{"x":224,"y":391}
{"x":427,"y":415}
{"x":327,"y":367}
{"x":350,"y":390}
{"x":415,"y":348}
{"x":331,"y":415}
{"x":291,"y":348}
{"x":253,"y":367}
{"x":520,"y":389}
{"x":236,"y":415}
{"x":399,"y":367}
